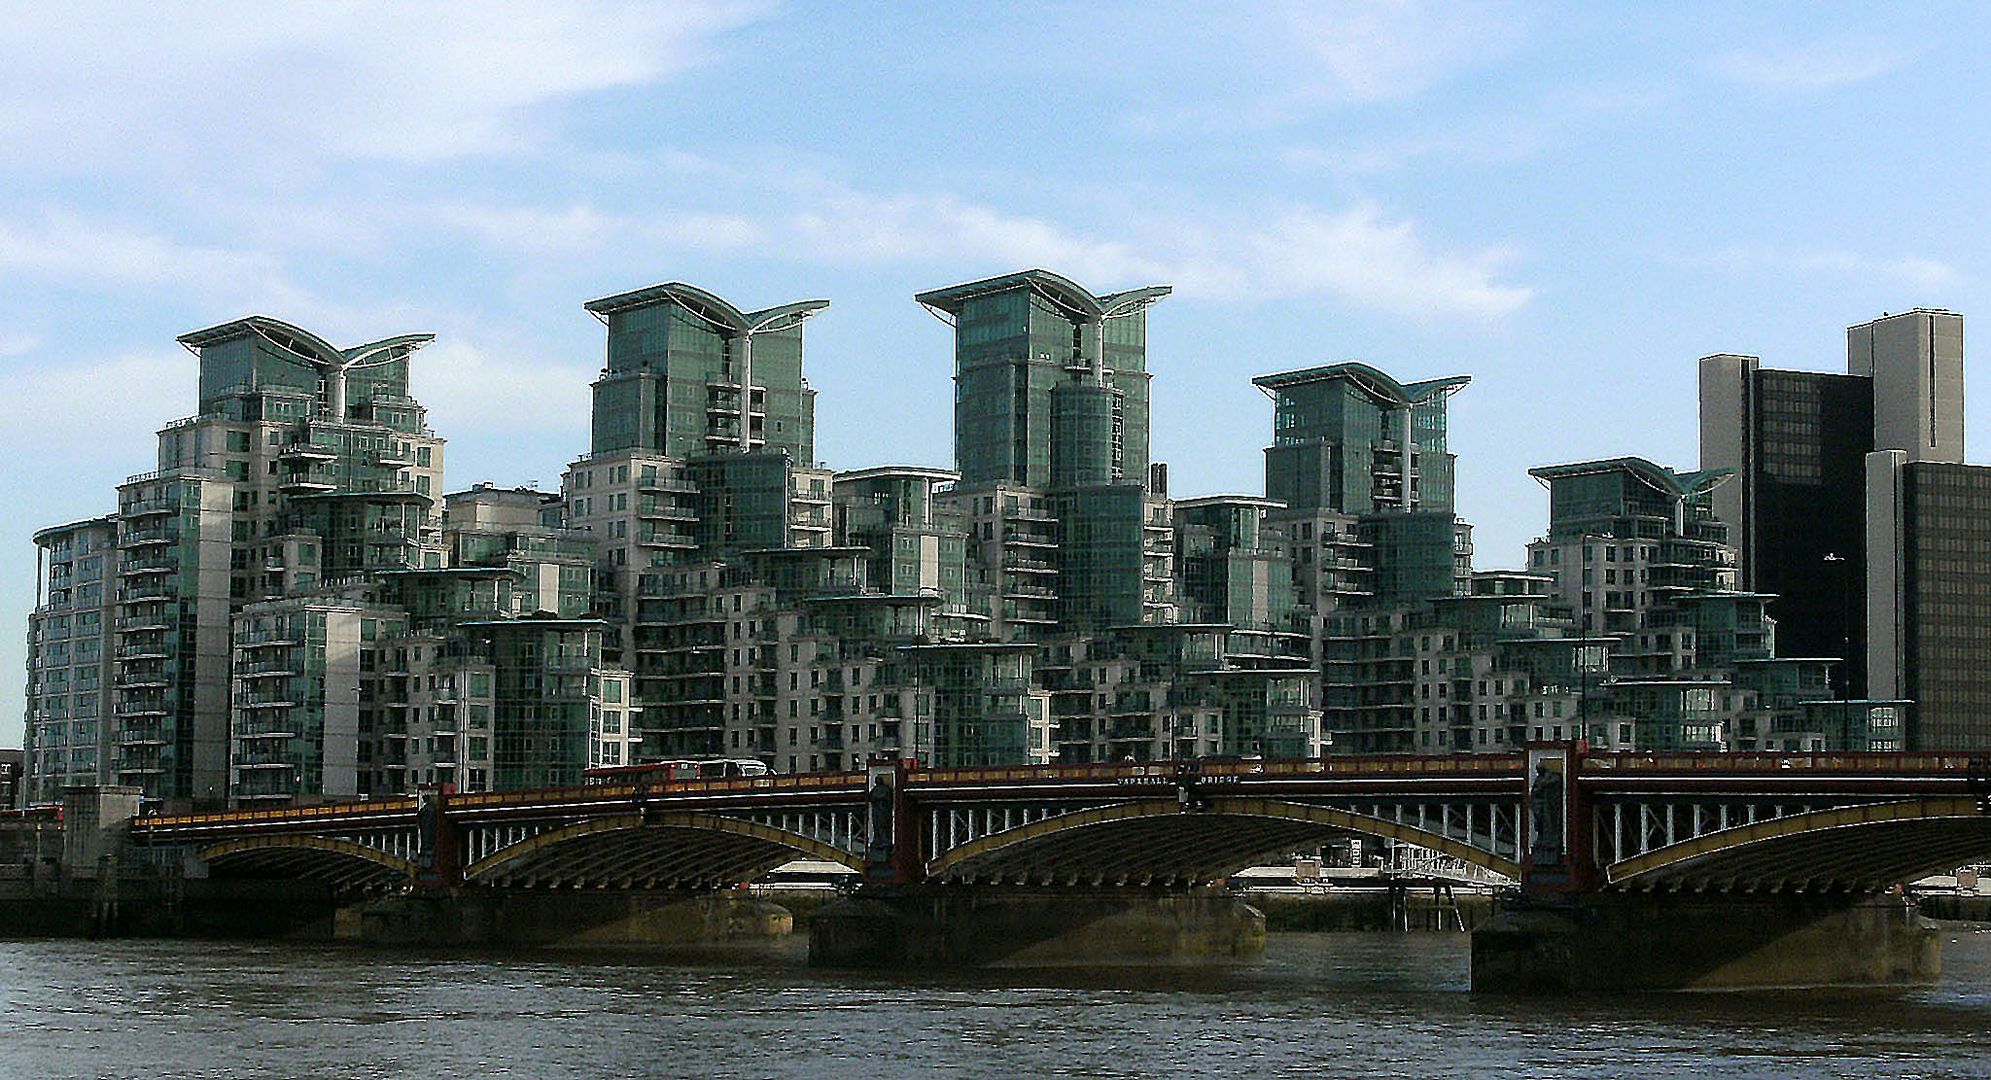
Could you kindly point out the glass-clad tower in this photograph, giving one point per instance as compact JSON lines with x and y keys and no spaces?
{"x":1051,"y":440}
{"x":678,"y":357}
{"x":1050,"y":380}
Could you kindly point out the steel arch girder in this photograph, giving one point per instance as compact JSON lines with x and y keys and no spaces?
{"x":510,"y":859}
{"x":960,"y":859}
{"x":347,"y":850}
{"x":1727,"y":854}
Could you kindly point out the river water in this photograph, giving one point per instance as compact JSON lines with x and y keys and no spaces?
{"x":1318,"y":1004}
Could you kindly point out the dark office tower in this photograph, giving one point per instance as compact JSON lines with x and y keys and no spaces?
{"x":677,"y":359}
{"x":1928,"y":589}
{"x":1798,"y":441}
{"x":1050,"y":380}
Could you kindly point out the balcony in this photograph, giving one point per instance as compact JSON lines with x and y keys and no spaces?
{"x":138,"y":538}
{"x":154,"y":620}
{"x":1020,"y":538}
{"x":267,"y":639}
{"x":307,"y":452}
{"x":143,"y":734}
{"x":146,"y":650}
{"x":666,"y":484}
{"x":144,"y":508}
{"x":151,"y":563}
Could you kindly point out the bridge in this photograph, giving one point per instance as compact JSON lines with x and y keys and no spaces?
{"x":1572,"y":829}
{"x":1586,"y":822}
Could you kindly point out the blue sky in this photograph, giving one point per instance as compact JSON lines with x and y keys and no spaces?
{"x":1571,"y":204}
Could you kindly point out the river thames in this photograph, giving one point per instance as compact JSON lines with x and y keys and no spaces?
{"x":1318,"y":1004}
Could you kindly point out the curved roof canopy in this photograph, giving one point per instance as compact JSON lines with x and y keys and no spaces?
{"x":1657,"y":476}
{"x":707,"y":306}
{"x":1076,"y":299}
{"x":1374,"y":381}
{"x":303,"y":344}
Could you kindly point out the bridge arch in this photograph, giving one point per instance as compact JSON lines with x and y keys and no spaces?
{"x":1156,"y":840}
{"x":679,"y":849}
{"x":1864,"y":847}
{"x":341,"y":863}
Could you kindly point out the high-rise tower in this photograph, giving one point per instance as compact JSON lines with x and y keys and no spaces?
{"x":1798,"y":441}
{"x":1050,"y":380}
{"x":1051,"y":441}
{"x":678,"y":358}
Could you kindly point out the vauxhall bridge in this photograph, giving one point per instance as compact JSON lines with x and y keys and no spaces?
{"x":1619,"y":859}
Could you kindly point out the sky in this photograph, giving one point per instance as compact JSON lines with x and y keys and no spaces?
{"x":1570,"y":203}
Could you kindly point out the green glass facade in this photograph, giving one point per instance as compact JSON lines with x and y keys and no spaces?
{"x":677,"y":356}
{"x":1048,"y":374}
{"x":1338,"y":438}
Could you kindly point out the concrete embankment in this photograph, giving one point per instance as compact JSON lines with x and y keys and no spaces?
{"x":1957,"y":908}
{"x":1368,"y":910}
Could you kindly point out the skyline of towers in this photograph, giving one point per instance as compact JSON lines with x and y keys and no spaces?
{"x":292,"y":606}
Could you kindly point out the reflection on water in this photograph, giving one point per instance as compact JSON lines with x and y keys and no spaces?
{"x":1322,"y":1004}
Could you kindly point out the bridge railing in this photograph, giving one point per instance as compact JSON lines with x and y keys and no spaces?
{"x":275,"y":815}
{"x":499,"y":800}
{"x":796,"y":782}
{"x":1770,"y":761}
{"x":1348,"y":766}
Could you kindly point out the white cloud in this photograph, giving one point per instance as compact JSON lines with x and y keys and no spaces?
{"x":87,"y":82}
{"x":580,"y":228}
{"x":1910,"y":272}
{"x":477,"y":387}
{"x":1506,"y":136}
{"x":68,"y":249}
{"x":1818,"y":65}
{"x":1359,"y":255}
{"x":127,"y":396}
{"x":1384,"y":50}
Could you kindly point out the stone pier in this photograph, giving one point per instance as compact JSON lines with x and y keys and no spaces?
{"x":945,"y":927}
{"x":519,"y":917}
{"x":1704,"y":941}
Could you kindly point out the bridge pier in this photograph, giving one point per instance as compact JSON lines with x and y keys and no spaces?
{"x":1704,"y":941}
{"x":965,"y":927}
{"x":567,"y":917}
